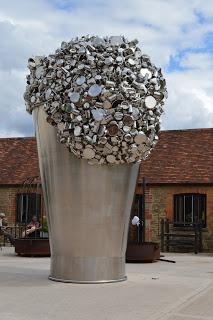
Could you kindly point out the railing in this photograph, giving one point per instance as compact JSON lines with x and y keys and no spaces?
{"x":14,"y":230}
{"x":17,"y":231}
{"x":176,"y":236}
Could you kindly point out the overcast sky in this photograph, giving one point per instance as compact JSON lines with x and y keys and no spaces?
{"x":177,"y":34}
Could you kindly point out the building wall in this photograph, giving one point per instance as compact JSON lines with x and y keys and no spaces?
{"x":159,"y":204}
{"x":8,"y":202}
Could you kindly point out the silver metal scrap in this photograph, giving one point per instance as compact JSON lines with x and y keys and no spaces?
{"x":104,"y":96}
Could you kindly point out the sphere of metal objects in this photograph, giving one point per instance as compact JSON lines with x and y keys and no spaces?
{"x":104,"y":96}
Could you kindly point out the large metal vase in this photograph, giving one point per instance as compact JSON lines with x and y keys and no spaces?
{"x":88,"y":209}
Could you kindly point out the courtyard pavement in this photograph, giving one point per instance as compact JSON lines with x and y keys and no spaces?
{"x":161,"y":290}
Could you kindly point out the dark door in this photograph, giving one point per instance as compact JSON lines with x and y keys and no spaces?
{"x":136,"y":232}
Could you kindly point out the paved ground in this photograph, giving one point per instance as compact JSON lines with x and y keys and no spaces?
{"x":161,"y":290}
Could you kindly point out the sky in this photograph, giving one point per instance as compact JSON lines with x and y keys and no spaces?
{"x":176,"y":34}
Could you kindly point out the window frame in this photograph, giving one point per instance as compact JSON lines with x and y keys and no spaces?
{"x":195,"y":197}
{"x":32,"y":207}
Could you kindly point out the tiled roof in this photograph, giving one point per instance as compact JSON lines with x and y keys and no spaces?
{"x":180,"y":156}
{"x":18,"y":160}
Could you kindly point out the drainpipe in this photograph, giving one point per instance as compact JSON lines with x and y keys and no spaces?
{"x":142,"y":218}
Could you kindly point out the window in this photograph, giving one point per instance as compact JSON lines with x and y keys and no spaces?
{"x":189,"y":208}
{"x":27,"y":206}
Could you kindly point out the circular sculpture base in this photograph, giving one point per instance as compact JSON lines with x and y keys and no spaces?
{"x":88,"y":282}
{"x":87,"y":269}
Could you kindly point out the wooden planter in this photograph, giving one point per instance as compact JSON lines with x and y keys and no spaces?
{"x":143,"y":252}
{"x":32,"y":247}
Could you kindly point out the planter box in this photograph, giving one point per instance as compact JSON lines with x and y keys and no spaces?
{"x":143,"y":252}
{"x":32,"y":247}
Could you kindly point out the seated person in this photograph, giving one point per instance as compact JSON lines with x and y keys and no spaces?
{"x":3,"y":229}
{"x":31,"y":227}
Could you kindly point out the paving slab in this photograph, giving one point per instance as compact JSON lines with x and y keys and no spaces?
{"x":154,"y":291}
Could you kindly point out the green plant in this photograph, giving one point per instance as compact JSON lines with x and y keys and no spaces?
{"x":44,"y":227}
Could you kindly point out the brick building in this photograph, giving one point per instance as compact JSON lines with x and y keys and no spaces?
{"x":178,"y":180}
{"x":18,"y":161}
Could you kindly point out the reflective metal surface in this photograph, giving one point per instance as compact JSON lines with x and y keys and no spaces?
{"x":94,"y":88}
{"x":88,"y":209}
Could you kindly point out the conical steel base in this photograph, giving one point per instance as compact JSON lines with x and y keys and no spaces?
{"x":88,"y":209}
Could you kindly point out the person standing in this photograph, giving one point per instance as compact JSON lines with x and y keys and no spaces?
{"x":3,"y":229}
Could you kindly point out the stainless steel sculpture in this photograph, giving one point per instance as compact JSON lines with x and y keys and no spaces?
{"x":88,"y":209}
{"x":100,"y":98}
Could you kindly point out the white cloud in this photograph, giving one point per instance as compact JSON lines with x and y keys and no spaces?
{"x":190,"y":104}
{"x":164,"y":28}
{"x":201,"y":61}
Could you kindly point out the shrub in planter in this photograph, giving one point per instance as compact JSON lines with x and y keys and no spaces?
{"x":44,"y":228}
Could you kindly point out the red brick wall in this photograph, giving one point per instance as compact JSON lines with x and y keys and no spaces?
{"x":8,"y":202}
